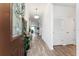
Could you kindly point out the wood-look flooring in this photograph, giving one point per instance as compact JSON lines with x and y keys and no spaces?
{"x":39,"y":48}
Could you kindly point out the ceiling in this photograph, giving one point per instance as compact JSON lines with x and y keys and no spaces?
{"x":41,"y":7}
{"x":32,"y":8}
{"x":66,"y":4}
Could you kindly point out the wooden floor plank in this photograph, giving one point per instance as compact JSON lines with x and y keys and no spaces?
{"x":39,"y":48}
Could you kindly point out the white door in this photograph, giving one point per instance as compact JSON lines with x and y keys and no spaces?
{"x":64,"y":32}
{"x":58,"y":31}
{"x":69,"y":29}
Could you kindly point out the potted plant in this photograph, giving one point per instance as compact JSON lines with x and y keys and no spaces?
{"x":26,"y":44}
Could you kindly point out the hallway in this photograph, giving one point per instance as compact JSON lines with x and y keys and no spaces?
{"x":55,"y":23}
{"x":39,"y":48}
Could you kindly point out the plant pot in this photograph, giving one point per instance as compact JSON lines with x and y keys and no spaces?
{"x":25,"y":53}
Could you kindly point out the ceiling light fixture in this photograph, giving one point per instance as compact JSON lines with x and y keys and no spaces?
{"x":36,"y":16}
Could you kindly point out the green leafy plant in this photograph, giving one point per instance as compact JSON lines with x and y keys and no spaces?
{"x":27,"y":38}
{"x":26,"y":43}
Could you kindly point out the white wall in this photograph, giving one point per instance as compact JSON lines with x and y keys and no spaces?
{"x":63,"y":23}
{"x":77,"y":28}
{"x":47,"y":26}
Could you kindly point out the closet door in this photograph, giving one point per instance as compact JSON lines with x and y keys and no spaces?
{"x":64,"y":31}
{"x":59,"y":34}
{"x":69,"y":29}
{"x":5,"y":34}
{"x":64,"y":25}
